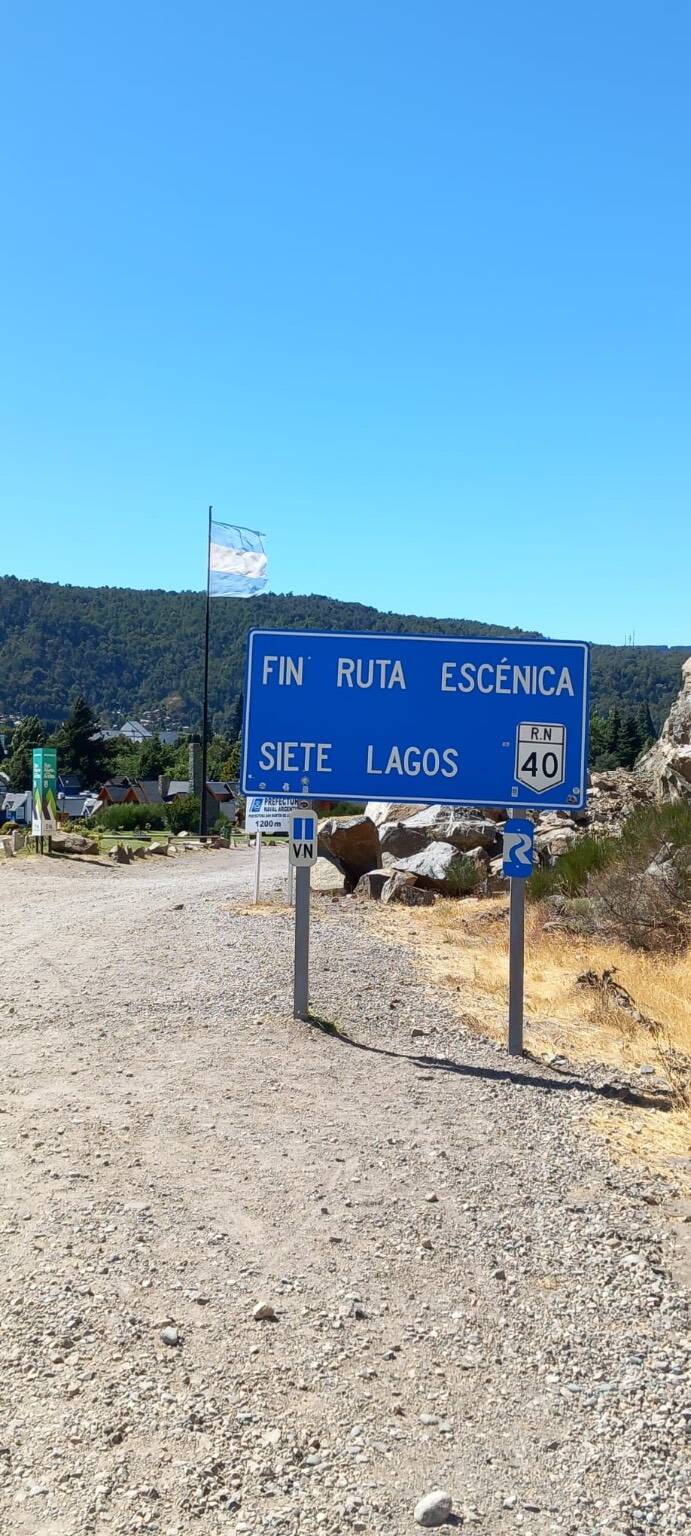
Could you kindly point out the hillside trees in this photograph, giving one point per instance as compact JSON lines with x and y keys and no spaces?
{"x":27,"y":735}
{"x":616,"y":740}
{"x":133,"y":651}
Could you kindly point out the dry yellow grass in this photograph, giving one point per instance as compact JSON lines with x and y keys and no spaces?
{"x":464,"y":945}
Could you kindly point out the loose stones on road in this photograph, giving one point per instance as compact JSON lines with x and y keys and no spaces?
{"x":264,"y":1313}
{"x":434,"y":1509}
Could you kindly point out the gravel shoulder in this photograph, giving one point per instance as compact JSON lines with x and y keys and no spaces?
{"x":468,"y":1294}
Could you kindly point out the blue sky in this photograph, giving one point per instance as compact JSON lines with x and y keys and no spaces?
{"x":405,"y":285}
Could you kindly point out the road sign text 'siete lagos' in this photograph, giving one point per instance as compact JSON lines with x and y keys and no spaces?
{"x":416,"y":719}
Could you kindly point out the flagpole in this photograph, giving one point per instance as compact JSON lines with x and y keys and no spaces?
{"x":205,"y":724}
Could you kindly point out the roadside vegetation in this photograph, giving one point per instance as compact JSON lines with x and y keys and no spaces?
{"x":635,"y":888}
{"x":176,"y":816}
{"x":608,"y":969}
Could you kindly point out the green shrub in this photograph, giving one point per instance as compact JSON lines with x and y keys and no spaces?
{"x":645,"y":895}
{"x":222,"y":827}
{"x":654,"y":827}
{"x":569,"y":875}
{"x":462,"y":877}
{"x":131,"y":818}
{"x":638,"y":884}
{"x":183,"y":815}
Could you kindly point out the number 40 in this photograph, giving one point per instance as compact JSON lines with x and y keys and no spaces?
{"x":548,"y":766}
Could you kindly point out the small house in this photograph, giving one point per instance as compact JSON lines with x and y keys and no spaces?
{"x":118,"y":792}
{"x":17,"y":807}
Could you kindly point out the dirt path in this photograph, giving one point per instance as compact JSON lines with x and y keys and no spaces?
{"x":468,"y":1294}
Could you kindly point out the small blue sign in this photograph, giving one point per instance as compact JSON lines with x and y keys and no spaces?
{"x":519,"y":835}
{"x":304,"y":828}
{"x":421,"y":719}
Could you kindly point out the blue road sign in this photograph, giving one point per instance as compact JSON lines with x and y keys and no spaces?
{"x":420,"y":719}
{"x":519,"y":836}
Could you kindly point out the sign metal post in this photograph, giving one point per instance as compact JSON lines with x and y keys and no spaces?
{"x":301,"y":975}
{"x":516,"y":965}
{"x":257,"y":864}
{"x":302,"y":852}
{"x":518,"y":865}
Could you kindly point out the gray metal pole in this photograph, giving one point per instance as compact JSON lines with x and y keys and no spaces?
{"x":516,"y":965}
{"x":203,"y":808}
{"x":302,"y":943}
{"x":257,"y":864}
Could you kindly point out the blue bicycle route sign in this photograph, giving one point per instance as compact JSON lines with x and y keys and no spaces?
{"x":418,"y":719}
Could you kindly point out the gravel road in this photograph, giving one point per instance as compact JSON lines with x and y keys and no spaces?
{"x":468,"y":1294}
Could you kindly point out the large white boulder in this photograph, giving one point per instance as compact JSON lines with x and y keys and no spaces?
{"x":446,"y":824}
{"x":440,"y":867}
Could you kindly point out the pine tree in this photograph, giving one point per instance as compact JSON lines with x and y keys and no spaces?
{"x":613,"y":731}
{"x":598,"y":739}
{"x":78,"y":749}
{"x":629,"y":741}
{"x":646,"y":726}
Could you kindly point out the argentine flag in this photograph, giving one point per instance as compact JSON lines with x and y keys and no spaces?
{"x":237,"y":562}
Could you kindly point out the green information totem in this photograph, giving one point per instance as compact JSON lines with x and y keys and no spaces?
{"x":44,"y":820}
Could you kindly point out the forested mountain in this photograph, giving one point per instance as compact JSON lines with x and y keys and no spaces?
{"x":131,"y":651}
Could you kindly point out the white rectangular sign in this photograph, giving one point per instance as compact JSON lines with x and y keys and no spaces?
{"x":264,"y":813}
{"x":302,"y":848}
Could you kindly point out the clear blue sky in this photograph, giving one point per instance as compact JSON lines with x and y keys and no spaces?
{"x":405,"y":283}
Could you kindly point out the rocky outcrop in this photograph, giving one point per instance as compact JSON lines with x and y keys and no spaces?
{"x":666,"y":769}
{"x":352,"y":844}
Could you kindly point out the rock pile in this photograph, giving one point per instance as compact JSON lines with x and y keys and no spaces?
{"x":405,"y":853}
{"x":612,"y":798}
{"x":665,"y":771}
